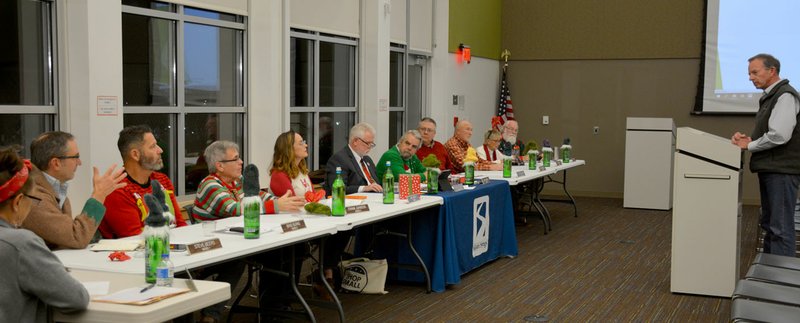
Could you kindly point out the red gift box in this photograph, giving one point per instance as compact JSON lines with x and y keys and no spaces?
{"x":408,"y":184}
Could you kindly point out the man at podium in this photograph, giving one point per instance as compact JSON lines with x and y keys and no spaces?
{"x":775,"y":153}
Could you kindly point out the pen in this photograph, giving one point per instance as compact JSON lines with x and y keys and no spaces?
{"x":147,"y":288}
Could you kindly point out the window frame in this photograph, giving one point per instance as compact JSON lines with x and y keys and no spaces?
{"x":315,"y":108}
{"x":178,"y":112}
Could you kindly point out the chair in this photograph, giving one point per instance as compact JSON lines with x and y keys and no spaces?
{"x":745,"y":310}
{"x":775,"y":275}
{"x":766,"y":292}
{"x":777,"y":261}
{"x":187,"y":210}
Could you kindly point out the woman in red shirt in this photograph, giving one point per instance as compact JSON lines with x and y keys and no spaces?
{"x":289,"y":173}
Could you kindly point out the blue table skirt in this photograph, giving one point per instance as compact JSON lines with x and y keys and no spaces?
{"x":446,"y":237}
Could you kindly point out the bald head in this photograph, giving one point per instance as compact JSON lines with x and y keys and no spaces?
{"x":464,"y":130}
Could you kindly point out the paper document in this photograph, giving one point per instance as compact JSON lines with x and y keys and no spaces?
{"x":117,"y":245}
{"x":96,"y":288}
{"x":134,"y":296}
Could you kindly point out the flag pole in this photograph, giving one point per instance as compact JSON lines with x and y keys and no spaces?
{"x":505,"y":55}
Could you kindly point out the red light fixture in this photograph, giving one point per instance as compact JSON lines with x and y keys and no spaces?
{"x":466,"y":54}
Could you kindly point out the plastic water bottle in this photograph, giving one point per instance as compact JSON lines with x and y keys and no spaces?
{"x":388,"y":184}
{"x":337,"y":190}
{"x":165,"y":271}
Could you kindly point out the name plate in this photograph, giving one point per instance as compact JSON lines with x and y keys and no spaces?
{"x":413,"y":198}
{"x":205,"y":245}
{"x":541,"y":168}
{"x":458,"y":187}
{"x":558,"y":162}
{"x":521,"y":173}
{"x":293,"y":226}
{"x":357,"y":208}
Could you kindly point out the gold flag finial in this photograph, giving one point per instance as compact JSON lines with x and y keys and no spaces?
{"x":505,"y":54}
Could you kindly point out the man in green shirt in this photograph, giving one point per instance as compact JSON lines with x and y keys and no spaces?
{"x":403,"y":157}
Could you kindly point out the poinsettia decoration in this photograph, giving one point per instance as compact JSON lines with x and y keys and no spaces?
{"x":312,"y":197}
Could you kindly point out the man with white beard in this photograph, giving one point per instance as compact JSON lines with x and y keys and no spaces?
{"x":510,"y":130}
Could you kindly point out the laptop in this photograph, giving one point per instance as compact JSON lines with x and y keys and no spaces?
{"x":444,"y":181}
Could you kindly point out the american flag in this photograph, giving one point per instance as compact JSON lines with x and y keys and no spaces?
{"x":504,"y":109}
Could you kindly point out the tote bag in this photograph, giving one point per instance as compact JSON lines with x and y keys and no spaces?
{"x":362,"y":275}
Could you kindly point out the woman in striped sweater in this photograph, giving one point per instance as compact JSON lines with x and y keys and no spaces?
{"x":218,"y":196}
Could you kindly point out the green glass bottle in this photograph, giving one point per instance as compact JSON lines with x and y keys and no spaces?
{"x":532,"y":156}
{"x":156,"y":238}
{"x":251,"y":210}
{"x":469,"y":173}
{"x":251,"y":203}
{"x":547,"y":155}
{"x":566,"y":153}
{"x":388,"y":184}
{"x":433,"y":180}
{"x":337,"y":190}
{"x":507,"y":167}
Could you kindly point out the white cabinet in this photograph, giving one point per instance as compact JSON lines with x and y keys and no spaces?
{"x":649,"y":150}
{"x":706,"y":215}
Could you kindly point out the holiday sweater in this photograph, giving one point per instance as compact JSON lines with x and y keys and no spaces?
{"x":126,"y":210}
{"x":215,"y":199}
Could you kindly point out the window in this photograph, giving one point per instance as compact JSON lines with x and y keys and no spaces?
{"x":28,"y":100}
{"x":397,"y":84}
{"x":323,"y":92}
{"x":183,"y":75}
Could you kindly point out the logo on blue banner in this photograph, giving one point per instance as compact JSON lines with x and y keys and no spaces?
{"x":480,"y":225}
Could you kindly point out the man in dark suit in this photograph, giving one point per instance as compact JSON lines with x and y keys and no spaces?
{"x":358,"y":169}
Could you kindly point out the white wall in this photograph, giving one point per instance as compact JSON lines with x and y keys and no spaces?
{"x":90,"y":51}
{"x":478,"y":82}
{"x":90,"y":57}
{"x":268,"y":72}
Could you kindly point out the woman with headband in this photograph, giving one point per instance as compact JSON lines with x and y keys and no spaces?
{"x":33,"y":278}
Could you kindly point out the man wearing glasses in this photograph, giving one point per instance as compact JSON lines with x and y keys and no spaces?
{"x":510,"y":130}
{"x":427,"y":128}
{"x":774,"y":145}
{"x":141,"y":158}
{"x":358,"y":170}
{"x":56,"y":157}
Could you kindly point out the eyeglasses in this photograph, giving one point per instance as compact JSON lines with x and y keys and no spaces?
{"x":511,"y":130}
{"x":76,"y":156}
{"x":425,"y":130}
{"x":370,"y":144}
{"x":302,"y":142}
{"x":35,"y":200}
{"x":231,"y":160}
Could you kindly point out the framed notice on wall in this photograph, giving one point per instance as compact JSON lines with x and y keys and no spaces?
{"x":107,"y":106}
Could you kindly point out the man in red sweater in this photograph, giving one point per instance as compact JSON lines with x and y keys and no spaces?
{"x":141,"y":157}
{"x":427,"y":128}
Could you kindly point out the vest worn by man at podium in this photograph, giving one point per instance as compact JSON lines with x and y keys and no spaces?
{"x":784,"y":159}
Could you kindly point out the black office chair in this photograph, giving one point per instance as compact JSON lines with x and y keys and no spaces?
{"x":745,"y":310}
{"x":766,"y":292}
{"x":774,"y":275}
{"x":777,"y":261}
{"x":188,"y":210}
